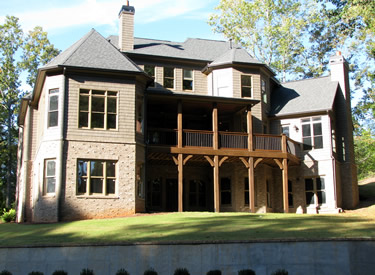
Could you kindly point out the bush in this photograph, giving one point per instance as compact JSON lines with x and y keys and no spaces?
{"x":9,"y":216}
{"x":122,"y":272}
{"x":150,"y":271}
{"x":280,"y":272}
{"x":181,"y":271}
{"x":36,"y":273}
{"x":246,"y":272}
{"x":5,"y":272}
{"x":214,"y":272}
{"x":87,"y":271}
{"x":60,"y":272}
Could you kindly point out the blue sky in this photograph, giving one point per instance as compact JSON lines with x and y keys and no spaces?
{"x":67,"y":21}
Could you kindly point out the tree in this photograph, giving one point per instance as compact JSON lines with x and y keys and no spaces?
{"x":35,"y":52}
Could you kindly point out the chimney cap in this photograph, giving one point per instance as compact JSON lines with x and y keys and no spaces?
{"x":127,"y":9}
{"x":338,"y":53}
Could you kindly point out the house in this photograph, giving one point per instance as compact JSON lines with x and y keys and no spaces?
{"x":122,"y":125}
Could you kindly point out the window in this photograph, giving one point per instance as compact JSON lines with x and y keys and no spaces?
{"x":285,"y":130}
{"x":188,"y":80}
{"x":245,"y":85}
{"x":225,"y":191}
{"x":139,"y":114}
{"x":53,"y":107}
{"x":155,"y":189}
{"x":264,"y":91}
{"x":290,"y":193}
{"x":246,"y":188}
{"x":140,"y":180}
{"x":315,"y":191}
{"x":312,"y":136}
{"x":150,"y":70}
{"x":49,"y":183}
{"x":169,"y":78}
{"x":96,"y":177}
{"x":97,"y":109}
{"x":197,"y":193}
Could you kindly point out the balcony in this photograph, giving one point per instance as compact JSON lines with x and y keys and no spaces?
{"x":226,"y":140}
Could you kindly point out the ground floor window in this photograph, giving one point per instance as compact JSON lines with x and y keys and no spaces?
{"x":155,"y":192}
{"x":246,"y":193}
{"x":225,"y":191}
{"x":49,"y":182}
{"x":290,"y":193}
{"x":197,"y":193}
{"x":315,"y":191}
{"x":96,"y":177}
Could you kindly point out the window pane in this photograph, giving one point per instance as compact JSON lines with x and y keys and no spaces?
{"x":51,"y":183}
{"x":320,"y":184}
{"x":193,"y":199}
{"x":97,"y":121}
{"x":168,"y":83}
{"x":226,"y":198}
{"x":169,"y":72}
{"x":317,"y":129}
{"x":225,"y":184}
{"x":50,"y":171}
{"x":83,"y":119}
{"x":317,"y":118}
{"x":290,"y":186}
{"x":53,"y":103}
{"x":84,"y":91}
{"x":96,"y":168}
{"x":285,"y":130}
{"x":306,"y":130}
{"x":246,"y":80}
{"x":150,"y":70}
{"x":96,"y":185}
{"x":52,"y":121}
{"x":310,"y":198}
{"x":82,"y":168}
{"x":111,"y":183}
{"x":97,"y":104}
{"x":111,"y":121}
{"x":112,"y":105}
{"x":318,"y":142}
{"x":321,"y":197}
{"x":246,"y":92}
{"x":247,"y":197}
{"x":193,"y":186}
{"x":188,"y":74}
{"x":111,"y":169}
{"x":82,"y":182}
{"x":305,"y":120}
{"x":188,"y":84}
{"x":307,"y":143}
{"x":96,"y":92}
{"x":246,"y":184}
{"x":309,"y":184}
{"x":83,"y":103}
{"x":112,"y":93}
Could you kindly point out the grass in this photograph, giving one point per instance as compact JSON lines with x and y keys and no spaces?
{"x":199,"y":227}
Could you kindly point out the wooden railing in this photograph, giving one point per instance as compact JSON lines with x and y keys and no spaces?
{"x":228,"y":140}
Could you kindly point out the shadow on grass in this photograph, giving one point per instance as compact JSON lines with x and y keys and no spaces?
{"x":188,"y":227}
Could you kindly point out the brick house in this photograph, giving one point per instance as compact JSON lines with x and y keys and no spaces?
{"x":121,"y":125}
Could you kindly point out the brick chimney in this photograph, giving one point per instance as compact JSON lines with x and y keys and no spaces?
{"x":126,"y":35}
{"x":340,"y":73}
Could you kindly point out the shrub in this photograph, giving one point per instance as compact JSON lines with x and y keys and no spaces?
{"x":36,"y":273}
{"x":87,"y":271}
{"x":5,"y":272}
{"x":280,"y":272}
{"x":181,"y":271}
{"x":150,"y":271}
{"x":9,"y":216}
{"x":214,"y":272}
{"x":60,"y":272}
{"x":246,"y":272}
{"x":122,"y":272}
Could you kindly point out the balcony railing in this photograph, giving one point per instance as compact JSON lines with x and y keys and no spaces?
{"x":228,"y":140}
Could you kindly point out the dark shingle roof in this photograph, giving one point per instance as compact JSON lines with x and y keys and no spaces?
{"x":95,"y":52}
{"x":304,"y":96}
{"x":234,"y":55}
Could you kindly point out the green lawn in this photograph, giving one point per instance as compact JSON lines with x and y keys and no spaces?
{"x":190,"y":226}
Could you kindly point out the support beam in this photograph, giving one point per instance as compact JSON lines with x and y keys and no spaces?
{"x":259,"y":160}
{"x":222,"y":161}
{"x":187,"y":159}
{"x":180,"y":181}
{"x":215,"y":127}
{"x":179,"y":124}
{"x":278,"y":162}
{"x":249,"y":118}
{"x":210,"y":161}
{"x":251,"y":185}
{"x":216,"y":185}
{"x":244,"y":161}
{"x":285,"y":186}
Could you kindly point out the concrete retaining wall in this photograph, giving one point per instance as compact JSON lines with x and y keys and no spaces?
{"x":307,"y":258}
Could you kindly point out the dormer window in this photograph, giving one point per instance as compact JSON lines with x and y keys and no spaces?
{"x":188,"y":80}
{"x":246,"y":85}
{"x":168,"y":78}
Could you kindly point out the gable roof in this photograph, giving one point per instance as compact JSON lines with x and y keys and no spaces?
{"x":93,"y":51}
{"x":304,"y":96}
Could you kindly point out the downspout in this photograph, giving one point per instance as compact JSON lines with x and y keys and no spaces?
{"x":25,"y":167}
{"x":60,"y":146}
{"x":333,"y":163}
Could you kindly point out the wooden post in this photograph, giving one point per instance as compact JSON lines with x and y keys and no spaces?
{"x":180,"y":181}
{"x":251,"y":185}
{"x":179,"y":124}
{"x":216,"y":185}
{"x":285,"y":186}
{"x":215,"y":127}
{"x":283,"y":143}
{"x":249,"y":118}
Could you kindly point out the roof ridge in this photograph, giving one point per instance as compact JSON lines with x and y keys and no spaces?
{"x":305,"y":79}
{"x":79,"y":44}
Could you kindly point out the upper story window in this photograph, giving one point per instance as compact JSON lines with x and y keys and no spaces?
{"x":96,"y":177}
{"x":97,"y":109}
{"x":49,"y":182}
{"x":53,"y":107}
{"x":188,"y":82}
{"x":312,"y":135}
{"x":150,"y":70}
{"x":246,"y":85}
{"x":168,"y":78}
{"x":264,"y":91}
{"x":285,"y":130}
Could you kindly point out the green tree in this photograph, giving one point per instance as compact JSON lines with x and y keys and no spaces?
{"x":35,"y":50}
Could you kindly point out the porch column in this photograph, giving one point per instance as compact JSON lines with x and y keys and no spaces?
{"x":215,"y":127}
{"x":180,"y":181}
{"x":251,"y":185}
{"x":285,"y":186}
{"x":216,"y":185}
{"x":249,"y":129}
{"x":179,"y":124}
